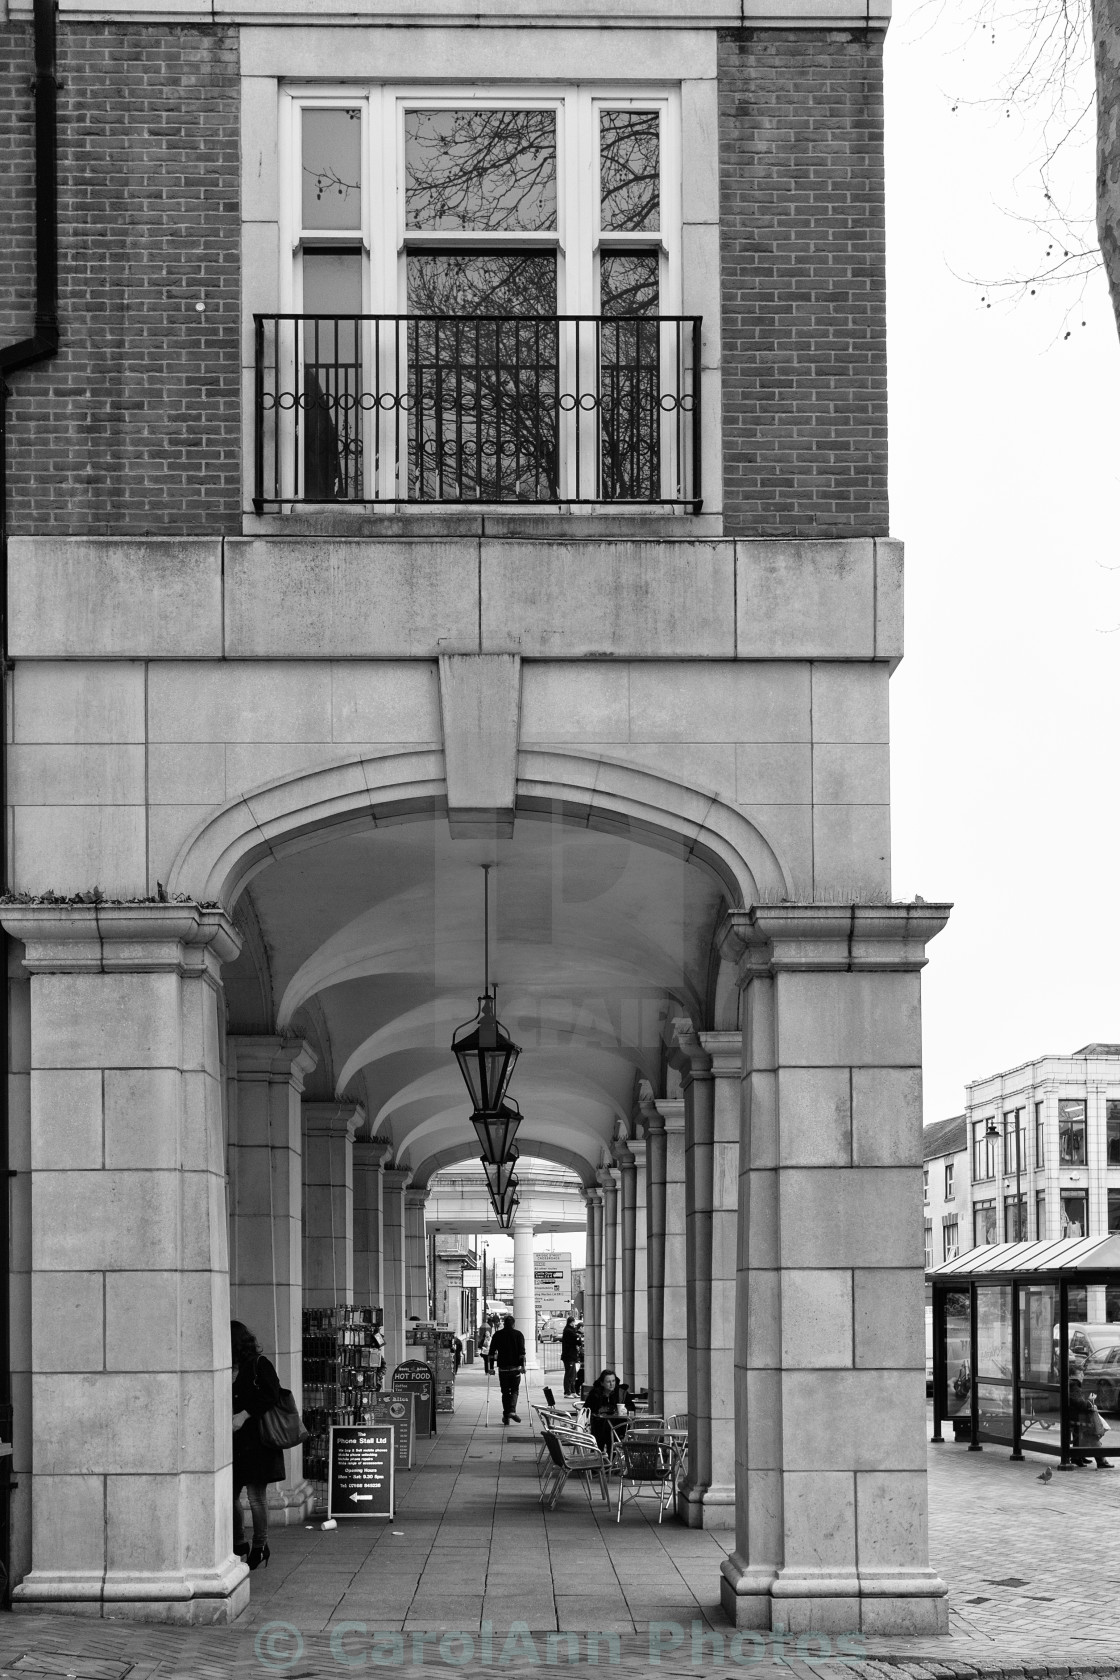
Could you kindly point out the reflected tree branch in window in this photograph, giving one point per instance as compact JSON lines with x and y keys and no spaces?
{"x":480,"y":171}
{"x":630,"y":171}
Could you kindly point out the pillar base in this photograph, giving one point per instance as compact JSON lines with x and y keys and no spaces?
{"x":896,"y":1601}
{"x":290,"y":1502}
{"x":201,"y":1599}
{"x":706,"y":1507}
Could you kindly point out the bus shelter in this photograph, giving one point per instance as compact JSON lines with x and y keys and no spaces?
{"x":1017,"y":1359}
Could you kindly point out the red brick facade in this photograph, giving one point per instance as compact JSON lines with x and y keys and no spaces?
{"x":803,"y":251}
{"x":134,"y":427}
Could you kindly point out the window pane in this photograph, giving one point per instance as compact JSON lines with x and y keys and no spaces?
{"x":1074,"y":1220}
{"x":1040,"y":1216}
{"x":1071,"y":1132}
{"x":481,"y":283}
{"x":984,"y":1223}
{"x":332,"y":169}
{"x":332,"y":376}
{"x":1113,"y":1211}
{"x":629,"y":171}
{"x":629,"y":282}
{"x":480,"y":171}
{"x":1112,"y":1132}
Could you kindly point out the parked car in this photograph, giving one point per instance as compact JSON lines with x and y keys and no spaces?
{"x":1101,"y":1375}
{"x":1086,"y":1340}
{"x":552,"y":1328}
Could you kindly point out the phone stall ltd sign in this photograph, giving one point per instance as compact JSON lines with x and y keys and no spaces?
{"x":360,"y":1470}
{"x":552,"y":1276}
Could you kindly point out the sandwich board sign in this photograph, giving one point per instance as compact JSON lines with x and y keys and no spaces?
{"x":416,"y":1377}
{"x":360,"y":1470}
{"x":400,"y":1411}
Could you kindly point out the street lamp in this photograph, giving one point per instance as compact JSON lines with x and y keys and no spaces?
{"x":992,"y":1131}
{"x":483,"y":1049}
{"x":496,"y":1133}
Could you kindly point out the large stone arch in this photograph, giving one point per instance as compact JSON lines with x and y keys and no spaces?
{"x":224,"y":852}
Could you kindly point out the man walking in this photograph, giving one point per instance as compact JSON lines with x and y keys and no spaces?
{"x":507,"y":1357}
{"x":570,"y":1355}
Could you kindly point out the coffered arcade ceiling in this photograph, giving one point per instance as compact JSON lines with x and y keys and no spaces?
{"x":370,"y":946}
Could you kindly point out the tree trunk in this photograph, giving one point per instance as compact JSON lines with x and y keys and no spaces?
{"x":1106,"y":55}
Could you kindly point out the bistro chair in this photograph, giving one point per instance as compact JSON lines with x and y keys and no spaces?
{"x":572,"y":1457}
{"x":645,"y":1461}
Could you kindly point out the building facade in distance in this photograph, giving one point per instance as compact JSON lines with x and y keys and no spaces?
{"x":452,"y":439}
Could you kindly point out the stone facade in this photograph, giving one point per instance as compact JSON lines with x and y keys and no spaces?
{"x":270,"y":748}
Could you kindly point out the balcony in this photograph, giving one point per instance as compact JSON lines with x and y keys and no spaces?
{"x":396,"y":410}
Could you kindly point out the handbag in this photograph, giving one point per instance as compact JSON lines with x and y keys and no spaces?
{"x":1095,"y":1424}
{"x":281,"y":1426}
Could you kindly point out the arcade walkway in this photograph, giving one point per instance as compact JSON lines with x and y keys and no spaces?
{"x":471,"y":1543}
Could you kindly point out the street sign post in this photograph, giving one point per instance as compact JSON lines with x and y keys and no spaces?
{"x":360,"y":1471}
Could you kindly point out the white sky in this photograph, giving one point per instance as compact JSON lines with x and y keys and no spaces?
{"x":1005,"y":468}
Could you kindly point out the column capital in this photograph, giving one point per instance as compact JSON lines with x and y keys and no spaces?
{"x":725,"y":1051}
{"x":593,"y":1195}
{"x":687,"y":1051}
{"x":416,"y":1198}
{"x":623,"y":1158}
{"x":398,"y":1178}
{"x":608,"y":1180}
{"x":372,"y":1152}
{"x":770,"y":939}
{"x":267,"y":1057}
{"x":638,"y":1152}
{"x":671,"y":1110}
{"x":333,"y":1119}
{"x":103,"y":938}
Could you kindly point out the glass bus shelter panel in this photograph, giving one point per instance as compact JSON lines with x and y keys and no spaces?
{"x":1039,"y":1384}
{"x":956,"y":1399}
{"x":994,"y":1366}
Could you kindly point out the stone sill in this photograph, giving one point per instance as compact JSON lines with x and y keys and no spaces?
{"x":572,"y":525}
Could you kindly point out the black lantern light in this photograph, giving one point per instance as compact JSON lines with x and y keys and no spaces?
{"x":506,"y":1206}
{"x":496,"y":1133}
{"x":500,"y":1176}
{"x":483,"y":1049}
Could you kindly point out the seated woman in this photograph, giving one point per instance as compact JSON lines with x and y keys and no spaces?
{"x":609,"y":1404}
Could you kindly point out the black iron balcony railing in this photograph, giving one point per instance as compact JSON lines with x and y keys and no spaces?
{"x":476,"y":408}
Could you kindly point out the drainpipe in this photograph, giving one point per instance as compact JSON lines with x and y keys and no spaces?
{"x":38,"y":348}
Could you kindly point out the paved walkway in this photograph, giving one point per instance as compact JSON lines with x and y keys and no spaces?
{"x":473,"y":1575}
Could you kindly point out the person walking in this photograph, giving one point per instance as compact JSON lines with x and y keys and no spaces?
{"x":256,"y":1388}
{"x":1087,"y":1426}
{"x":507,"y":1357}
{"x":570,"y":1355}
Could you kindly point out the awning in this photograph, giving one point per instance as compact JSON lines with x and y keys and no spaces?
{"x":1068,"y":1257}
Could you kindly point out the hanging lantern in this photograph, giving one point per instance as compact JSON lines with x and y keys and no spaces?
{"x":483,"y":1049}
{"x":496,"y":1133}
{"x":506,"y":1206}
{"x":499,"y":1176}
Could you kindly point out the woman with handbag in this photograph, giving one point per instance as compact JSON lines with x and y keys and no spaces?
{"x":1087,"y":1425}
{"x":256,"y":1390}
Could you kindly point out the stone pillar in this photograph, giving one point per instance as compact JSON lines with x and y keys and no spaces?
{"x":608,"y":1180}
{"x":129,"y":1381}
{"x":370,"y":1156}
{"x":592,"y":1287}
{"x":830,"y":1348}
{"x":674,"y":1337}
{"x":417,"y":1300}
{"x":264,"y":1155}
{"x":525,"y":1291}
{"x":627,"y":1233}
{"x":641,"y":1322}
{"x":328,"y":1201}
{"x":711,"y":1195}
{"x":656,"y":1142}
{"x":393,"y":1285}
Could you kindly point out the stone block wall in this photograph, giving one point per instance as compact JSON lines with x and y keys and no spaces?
{"x":134,"y":427}
{"x":803,"y":281}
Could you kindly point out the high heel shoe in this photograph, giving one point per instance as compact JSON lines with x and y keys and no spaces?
{"x":259,"y":1555}
{"x":242,"y":1549}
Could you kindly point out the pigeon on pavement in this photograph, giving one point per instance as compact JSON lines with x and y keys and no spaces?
{"x":1046,"y":1474}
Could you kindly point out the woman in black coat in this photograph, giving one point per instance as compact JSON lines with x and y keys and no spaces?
{"x":256,"y":1388}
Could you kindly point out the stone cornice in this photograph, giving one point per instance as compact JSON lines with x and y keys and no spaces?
{"x":333,"y":1119}
{"x":372,"y":1152}
{"x":770,"y":939}
{"x":688,"y":1053}
{"x":268,"y":1057}
{"x":179,"y":938}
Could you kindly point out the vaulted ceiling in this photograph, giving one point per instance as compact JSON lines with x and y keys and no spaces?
{"x":370,"y":945}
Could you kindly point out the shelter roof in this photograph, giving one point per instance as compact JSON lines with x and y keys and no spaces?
{"x":1065,"y":1257}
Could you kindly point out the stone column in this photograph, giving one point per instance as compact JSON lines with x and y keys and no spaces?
{"x":264,"y":1155}
{"x":627,"y":1232}
{"x":655,"y":1247}
{"x":592,"y":1286}
{"x":674,"y":1337}
{"x":641,"y":1331}
{"x":393,"y":1285}
{"x":830,"y":1348}
{"x":370,"y":1156}
{"x":525,"y":1291}
{"x":608,"y":1180}
{"x":328,"y":1201}
{"x":129,"y":1381}
{"x":417,"y":1301}
{"x":711,"y":1191}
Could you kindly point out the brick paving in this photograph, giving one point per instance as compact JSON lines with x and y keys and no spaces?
{"x":470,"y":1564}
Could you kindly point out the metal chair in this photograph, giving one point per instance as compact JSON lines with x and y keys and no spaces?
{"x":645,"y":1460}
{"x":571,"y":1457}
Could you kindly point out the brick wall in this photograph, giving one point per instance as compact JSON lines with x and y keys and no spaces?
{"x":135,"y":426}
{"x":802,"y":251}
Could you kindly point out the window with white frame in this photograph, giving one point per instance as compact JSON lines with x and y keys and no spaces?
{"x":482,"y":300}
{"x":950,"y":1193}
